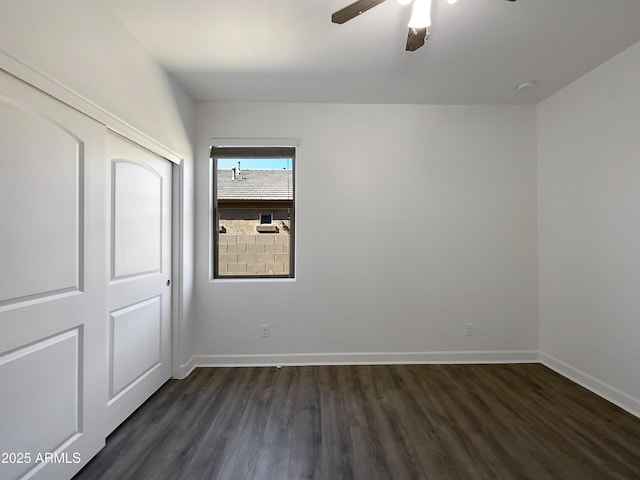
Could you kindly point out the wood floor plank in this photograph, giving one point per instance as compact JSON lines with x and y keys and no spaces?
{"x":422,"y":425}
{"x":305,"y":437}
{"x":435,"y":422}
{"x":274,"y":455}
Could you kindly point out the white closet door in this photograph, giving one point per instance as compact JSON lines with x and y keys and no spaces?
{"x":53,"y":231}
{"x":139,"y":292}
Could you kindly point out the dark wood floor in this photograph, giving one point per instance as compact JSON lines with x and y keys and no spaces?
{"x":373,"y":422}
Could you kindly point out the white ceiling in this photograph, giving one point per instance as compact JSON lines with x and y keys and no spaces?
{"x":289,"y":51}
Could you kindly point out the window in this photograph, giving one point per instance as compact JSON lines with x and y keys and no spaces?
{"x":266,"y":218}
{"x":253,"y":212}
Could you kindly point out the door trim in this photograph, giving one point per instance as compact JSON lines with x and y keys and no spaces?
{"x":71,"y":98}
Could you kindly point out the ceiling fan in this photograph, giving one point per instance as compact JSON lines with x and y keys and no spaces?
{"x":419,"y":22}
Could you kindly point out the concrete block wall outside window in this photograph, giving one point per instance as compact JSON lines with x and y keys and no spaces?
{"x":253,"y":211}
{"x":262,"y":253}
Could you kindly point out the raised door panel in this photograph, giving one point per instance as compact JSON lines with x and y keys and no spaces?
{"x":137,"y":220}
{"x":137,"y":344}
{"x":44,"y":164}
{"x":48,"y":369}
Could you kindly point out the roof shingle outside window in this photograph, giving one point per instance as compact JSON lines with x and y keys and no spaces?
{"x":255,"y":185}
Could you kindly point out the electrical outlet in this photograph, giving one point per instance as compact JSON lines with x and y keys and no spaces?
{"x":265,"y":330}
{"x":468,"y":329}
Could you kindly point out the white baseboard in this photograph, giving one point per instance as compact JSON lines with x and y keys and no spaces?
{"x":365,"y":358}
{"x":602,"y":389}
{"x":185,"y":370}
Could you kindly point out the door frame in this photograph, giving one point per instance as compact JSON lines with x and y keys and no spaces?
{"x":178,"y":371}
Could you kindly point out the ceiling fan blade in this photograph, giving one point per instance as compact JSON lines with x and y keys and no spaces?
{"x":353,"y":10}
{"x":416,"y":38}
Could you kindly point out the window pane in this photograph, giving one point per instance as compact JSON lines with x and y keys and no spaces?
{"x":266,"y":218}
{"x":254,"y":220}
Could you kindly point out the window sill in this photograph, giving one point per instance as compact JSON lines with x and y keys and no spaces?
{"x":252,"y":280}
{"x":267,"y":229}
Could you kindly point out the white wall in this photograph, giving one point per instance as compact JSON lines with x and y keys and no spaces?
{"x":589,"y":229}
{"x":80,"y":45}
{"x":455,"y":186}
